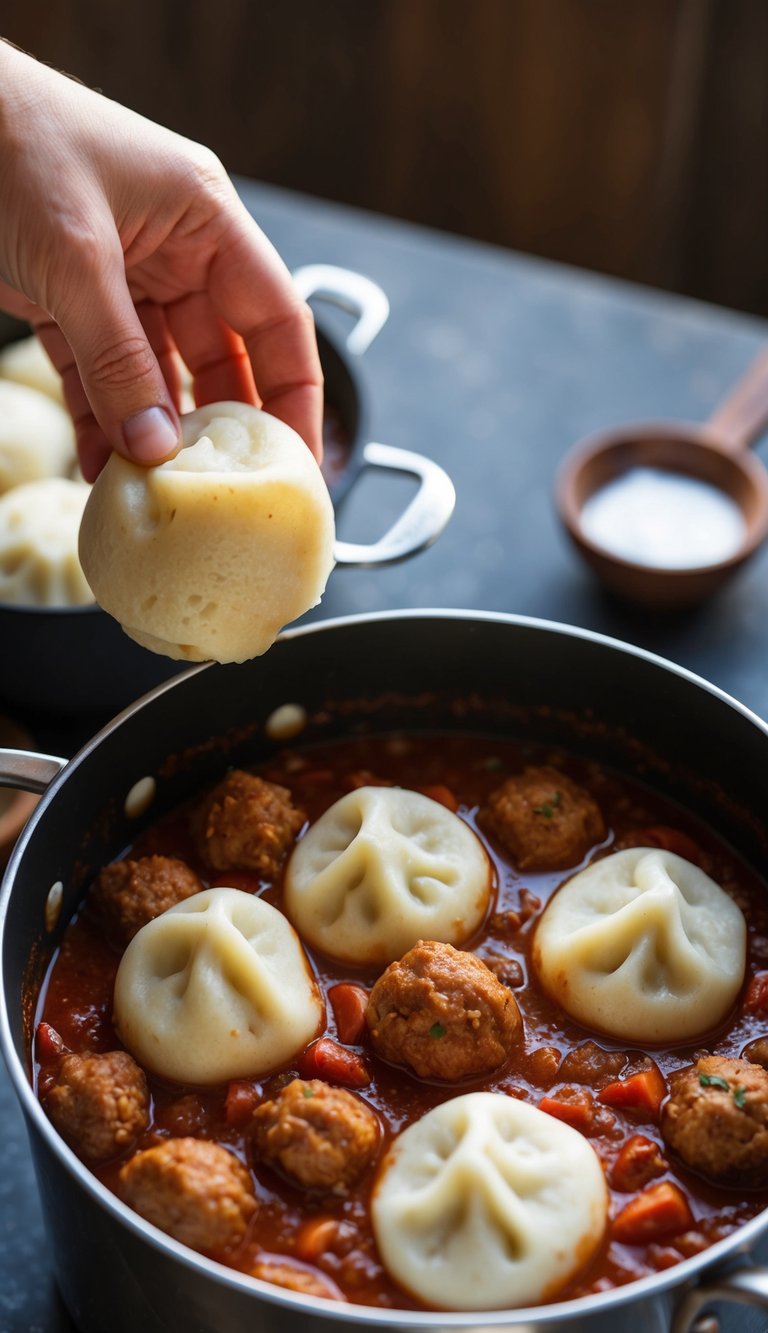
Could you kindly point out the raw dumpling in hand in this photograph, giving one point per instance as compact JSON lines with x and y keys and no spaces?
{"x":27,"y":362}
{"x":383,"y":868}
{"x":39,"y":523}
{"x":644,"y":946}
{"x":210,"y":554}
{"x":487,"y":1203}
{"x":37,"y":438}
{"x":217,"y":987}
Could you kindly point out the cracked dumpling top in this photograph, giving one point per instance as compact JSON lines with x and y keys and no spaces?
{"x":642,"y":945}
{"x":486,"y":1203}
{"x":215,"y":988}
{"x":383,"y":868}
{"x":209,"y":555}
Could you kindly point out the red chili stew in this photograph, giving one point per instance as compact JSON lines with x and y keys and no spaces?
{"x":661,"y":1212}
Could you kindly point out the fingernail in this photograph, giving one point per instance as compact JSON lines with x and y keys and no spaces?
{"x":150,"y":435}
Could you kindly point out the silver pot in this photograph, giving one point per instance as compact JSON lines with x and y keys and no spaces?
{"x":526,"y":678}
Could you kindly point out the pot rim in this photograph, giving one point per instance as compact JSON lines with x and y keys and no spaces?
{"x":738,"y":1243}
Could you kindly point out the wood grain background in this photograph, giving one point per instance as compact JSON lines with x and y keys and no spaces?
{"x":629,"y":136}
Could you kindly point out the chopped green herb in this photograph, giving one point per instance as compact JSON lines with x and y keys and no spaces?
{"x":308,"y":1092}
{"x":714,"y":1081}
{"x":437,"y":1030}
{"x":740,"y":1097}
{"x":548,"y":808}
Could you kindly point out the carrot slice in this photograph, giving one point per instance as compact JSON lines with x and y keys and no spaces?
{"x":660,"y":1211}
{"x":242,"y":1099}
{"x":442,"y":794}
{"x":644,"y":1091}
{"x":578,"y":1114}
{"x":333,"y":1063}
{"x":349,"y":1003}
{"x":639,"y":1160}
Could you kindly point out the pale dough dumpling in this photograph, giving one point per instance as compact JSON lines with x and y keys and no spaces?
{"x":27,"y":362}
{"x":383,"y":868}
{"x":210,"y":554}
{"x":488,"y":1203}
{"x":642,"y":945}
{"x":217,"y":987}
{"x":39,"y":524}
{"x":37,"y":438}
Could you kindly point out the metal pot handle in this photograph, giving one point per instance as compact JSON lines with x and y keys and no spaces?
{"x":28,"y":770}
{"x":745,"y":1286}
{"x":358,"y":295}
{"x":420,"y":524}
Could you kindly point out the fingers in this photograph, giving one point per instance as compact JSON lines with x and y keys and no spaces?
{"x":123,"y":383}
{"x":252,"y":292}
{"x":214,"y":353}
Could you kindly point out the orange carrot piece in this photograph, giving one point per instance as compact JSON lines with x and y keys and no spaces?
{"x":639,"y":1160}
{"x":333,"y":1063}
{"x":314,"y":1238}
{"x":442,"y":794}
{"x":644,"y":1091}
{"x":578,"y":1114}
{"x":659,"y":1212}
{"x":349,"y":1003}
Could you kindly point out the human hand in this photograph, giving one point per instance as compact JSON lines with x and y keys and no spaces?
{"x":129,"y":251}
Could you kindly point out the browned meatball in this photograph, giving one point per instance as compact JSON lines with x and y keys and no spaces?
{"x":193,"y":1189}
{"x":99,"y":1103}
{"x":322,"y":1137}
{"x":296,"y":1276}
{"x":247,"y":824}
{"x":716,"y":1119}
{"x":543,"y":818}
{"x":443,"y":1013}
{"x":128,"y":894}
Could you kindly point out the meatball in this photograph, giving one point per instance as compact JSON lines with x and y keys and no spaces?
{"x":128,"y":894}
{"x":324,"y":1138}
{"x":248,"y":824}
{"x":99,"y":1103}
{"x":296,"y":1277}
{"x":716,"y":1119}
{"x":196,"y":1191}
{"x":443,"y":1013}
{"x":543,"y":818}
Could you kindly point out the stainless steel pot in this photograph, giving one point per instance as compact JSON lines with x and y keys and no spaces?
{"x":467,"y":670}
{"x":69,"y":660}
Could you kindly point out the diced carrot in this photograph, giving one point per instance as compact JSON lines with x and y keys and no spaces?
{"x":578,"y":1114}
{"x":442,"y":794}
{"x":327,"y":1060}
{"x":314,"y":1238}
{"x":670,"y":840}
{"x":637,"y":1163}
{"x":245,"y":880}
{"x":660,"y":1211}
{"x":349,"y":1003}
{"x":48,"y":1044}
{"x":242,"y":1099}
{"x":644,"y":1091}
{"x":756,"y":998}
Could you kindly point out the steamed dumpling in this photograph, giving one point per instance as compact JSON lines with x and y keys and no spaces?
{"x":642,"y":945}
{"x":487,"y":1202}
{"x":210,"y":554}
{"x":383,"y":868}
{"x":217,"y":987}
{"x":27,"y":362}
{"x":37,"y":438}
{"x":39,"y":524}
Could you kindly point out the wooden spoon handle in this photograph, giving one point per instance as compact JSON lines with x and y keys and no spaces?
{"x":742,"y":417}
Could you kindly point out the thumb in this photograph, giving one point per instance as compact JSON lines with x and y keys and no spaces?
{"x":129,"y":402}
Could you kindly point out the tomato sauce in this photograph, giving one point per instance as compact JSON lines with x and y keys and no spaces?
{"x":560,"y":1065}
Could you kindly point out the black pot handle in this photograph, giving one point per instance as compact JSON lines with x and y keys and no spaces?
{"x":420,"y":524}
{"x":350,"y":291}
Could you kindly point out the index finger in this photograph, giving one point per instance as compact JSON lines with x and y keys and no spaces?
{"x":252,"y":291}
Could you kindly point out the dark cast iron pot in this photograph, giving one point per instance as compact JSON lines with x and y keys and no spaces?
{"x":420,"y":669}
{"x":77,"y":660}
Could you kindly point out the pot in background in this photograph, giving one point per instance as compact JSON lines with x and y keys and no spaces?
{"x":77,"y":660}
{"x":424,"y":669}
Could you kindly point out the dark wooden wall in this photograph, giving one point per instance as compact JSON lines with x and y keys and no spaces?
{"x":629,"y":136}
